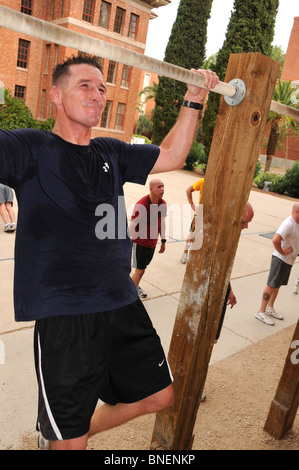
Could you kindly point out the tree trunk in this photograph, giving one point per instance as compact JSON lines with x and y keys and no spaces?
{"x":273,"y":139}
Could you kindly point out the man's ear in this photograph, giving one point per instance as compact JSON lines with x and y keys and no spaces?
{"x":55,"y":95}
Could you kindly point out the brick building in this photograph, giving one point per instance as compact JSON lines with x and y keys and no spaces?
{"x":290,"y":71}
{"x":26,"y":62}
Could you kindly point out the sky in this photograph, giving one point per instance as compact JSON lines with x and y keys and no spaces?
{"x":160,"y":28}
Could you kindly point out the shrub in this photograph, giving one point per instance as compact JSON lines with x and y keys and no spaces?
{"x":196,"y":155}
{"x":291,"y":180}
{"x":278,"y":185}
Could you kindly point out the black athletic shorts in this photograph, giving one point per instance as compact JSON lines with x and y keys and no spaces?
{"x":142,"y":256}
{"x":279,"y":272}
{"x":114,"y":356}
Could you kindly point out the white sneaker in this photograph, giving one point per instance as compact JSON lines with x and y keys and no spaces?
{"x":183,"y":259}
{"x":270,"y":311}
{"x":7,"y":228}
{"x":264,"y":318}
{"x":141,"y":293}
{"x":12,"y":227}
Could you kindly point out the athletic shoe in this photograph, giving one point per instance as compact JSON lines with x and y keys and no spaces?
{"x":263,"y":317}
{"x":270,"y":311}
{"x":7,"y":228}
{"x":12,"y":227}
{"x":141,"y":293}
{"x":42,"y":443}
{"x":183,"y":259}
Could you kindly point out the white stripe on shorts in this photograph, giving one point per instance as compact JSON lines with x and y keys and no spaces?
{"x":50,"y":416}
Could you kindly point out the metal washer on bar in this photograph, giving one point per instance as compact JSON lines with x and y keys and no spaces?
{"x":240,"y":92}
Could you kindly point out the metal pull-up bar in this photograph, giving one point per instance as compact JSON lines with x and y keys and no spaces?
{"x":234,"y":92}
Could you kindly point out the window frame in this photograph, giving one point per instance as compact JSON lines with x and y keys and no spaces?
{"x":20,"y":92}
{"x":120,"y":117}
{"x":23,"y":53}
{"x":109,"y":6}
{"x":27,"y":7}
{"x":88,"y":10}
{"x":126,"y":75}
{"x":119,"y":20}
{"x":132,"y":32}
{"x":105,"y":119}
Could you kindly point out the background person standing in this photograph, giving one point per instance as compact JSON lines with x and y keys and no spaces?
{"x":6,"y":210}
{"x":147,"y":223}
{"x":286,"y":244}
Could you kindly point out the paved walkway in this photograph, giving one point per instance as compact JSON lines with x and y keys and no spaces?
{"x":162,"y":282}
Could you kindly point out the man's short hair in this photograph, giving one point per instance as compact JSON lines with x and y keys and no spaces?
{"x":63,"y":69}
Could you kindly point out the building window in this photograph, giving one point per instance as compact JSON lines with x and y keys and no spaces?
{"x":26,"y":7}
{"x":20,"y":92}
{"x":88,"y":10}
{"x":48,"y":50}
{"x":120,"y":115}
{"x":111,"y":71}
{"x":105,"y":14}
{"x":125,"y":78}
{"x":106,"y":115}
{"x":23,"y":53}
{"x":42,"y":114}
{"x":133,"y":26}
{"x":119,"y":20}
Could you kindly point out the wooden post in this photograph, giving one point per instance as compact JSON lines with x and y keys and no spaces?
{"x":284,"y":406}
{"x":233,"y":156}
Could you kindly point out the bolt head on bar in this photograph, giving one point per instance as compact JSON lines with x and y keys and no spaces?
{"x":240,"y":92}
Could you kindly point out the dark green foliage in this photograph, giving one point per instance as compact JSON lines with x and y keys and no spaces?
{"x":282,"y":184}
{"x":14,"y":114}
{"x":291,"y":180}
{"x":250,"y":29}
{"x":196,"y":155}
{"x":186,"y":48}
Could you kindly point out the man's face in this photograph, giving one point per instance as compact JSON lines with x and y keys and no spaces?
{"x":158,"y":189}
{"x":82,"y":95}
{"x":247,"y":218}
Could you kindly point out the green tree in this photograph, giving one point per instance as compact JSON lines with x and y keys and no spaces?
{"x":185,"y":48}
{"x":250,"y":29}
{"x":14,"y":114}
{"x":149,"y":92}
{"x":280,"y":124}
{"x":144,"y":126}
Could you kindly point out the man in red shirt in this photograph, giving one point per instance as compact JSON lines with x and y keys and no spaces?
{"x":147,"y":223}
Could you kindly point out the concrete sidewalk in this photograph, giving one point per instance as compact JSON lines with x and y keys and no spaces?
{"x":162,"y":281}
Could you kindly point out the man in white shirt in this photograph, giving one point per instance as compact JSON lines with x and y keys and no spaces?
{"x":286,"y":244}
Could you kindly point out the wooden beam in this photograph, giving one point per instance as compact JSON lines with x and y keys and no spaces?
{"x":234,"y":152}
{"x":285,"y":404}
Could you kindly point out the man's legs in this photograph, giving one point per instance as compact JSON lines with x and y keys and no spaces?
{"x":108,"y":417}
{"x":4,"y":213}
{"x":136,"y":277}
{"x":273,"y":297}
{"x":11,"y":212}
{"x":269,"y":296}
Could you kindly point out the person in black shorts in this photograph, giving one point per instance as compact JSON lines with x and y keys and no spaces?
{"x":147,"y":224}
{"x":286,"y":244}
{"x":93,"y":338}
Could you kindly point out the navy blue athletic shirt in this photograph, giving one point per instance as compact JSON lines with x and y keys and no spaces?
{"x":68,"y":196}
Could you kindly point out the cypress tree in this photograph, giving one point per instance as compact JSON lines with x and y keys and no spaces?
{"x":185,"y":48}
{"x":250,"y":29}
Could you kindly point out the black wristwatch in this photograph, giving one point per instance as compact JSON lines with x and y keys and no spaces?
{"x":191,"y":104}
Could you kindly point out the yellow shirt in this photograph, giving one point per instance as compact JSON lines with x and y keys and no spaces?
{"x":198,"y":187}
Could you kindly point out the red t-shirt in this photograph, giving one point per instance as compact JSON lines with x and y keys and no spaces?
{"x":149,"y":216}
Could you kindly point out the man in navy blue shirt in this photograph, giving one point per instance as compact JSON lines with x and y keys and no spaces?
{"x":93,"y":337}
